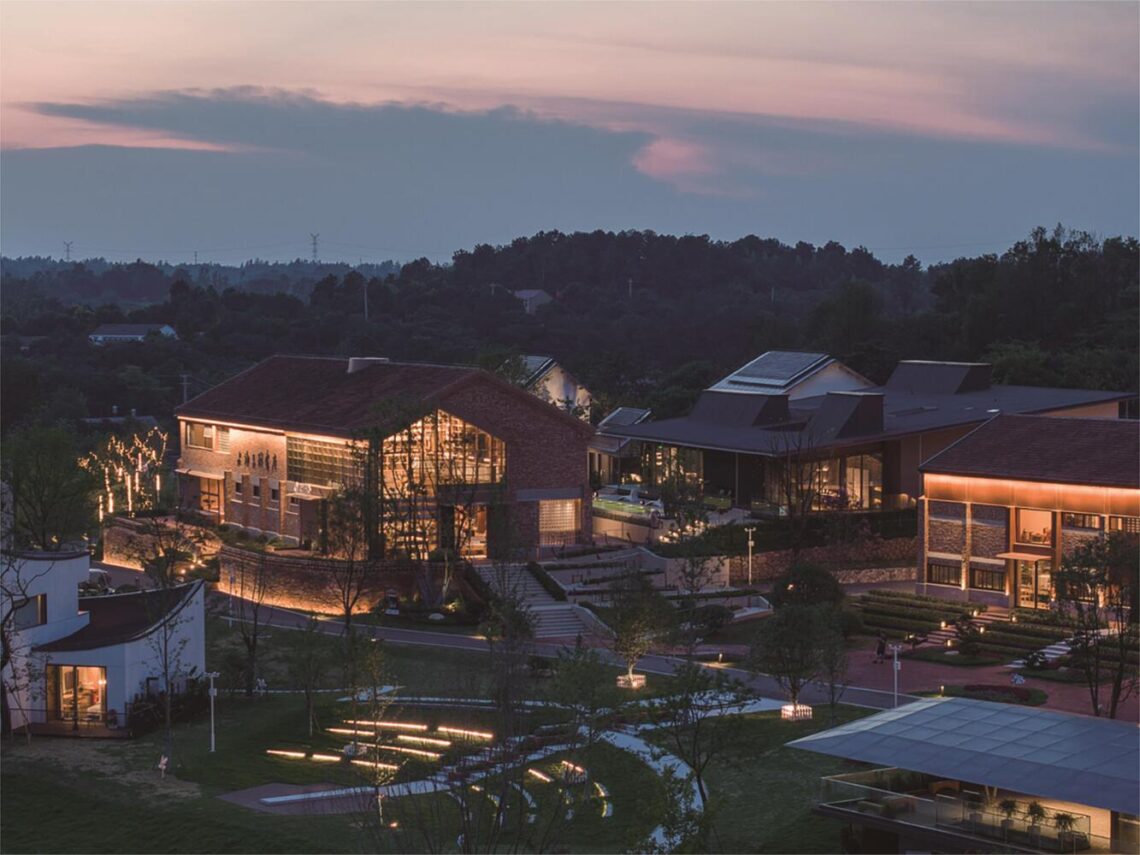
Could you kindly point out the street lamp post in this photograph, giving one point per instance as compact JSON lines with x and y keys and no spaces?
{"x":896,"y":666}
{"x":751,"y":543}
{"x":213,"y":694}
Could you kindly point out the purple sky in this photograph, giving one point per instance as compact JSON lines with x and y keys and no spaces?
{"x":399,"y":130}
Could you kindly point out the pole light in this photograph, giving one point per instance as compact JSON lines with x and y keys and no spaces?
{"x":896,"y":666}
{"x":213,"y":694}
{"x":751,"y":543}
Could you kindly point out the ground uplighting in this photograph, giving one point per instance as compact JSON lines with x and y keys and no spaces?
{"x":325,"y":758}
{"x":347,"y":731}
{"x":375,"y":764}
{"x":424,"y":740}
{"x":388,"y":725}
{"x":542,"y":776}
{"x":466,"y":734}
{"x":292,"y":755}
{"x":416,"y":752}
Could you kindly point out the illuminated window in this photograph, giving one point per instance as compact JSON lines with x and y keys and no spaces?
{"x":1131,"y":525}
{"x":984,"y":579}
{"x":1085,"y":521}
{"x":199,"y":435}
{"x":1034,"y":527}
{"x":939,"y":573}
{"x":312,"y":461}
{"x":558,"y":521}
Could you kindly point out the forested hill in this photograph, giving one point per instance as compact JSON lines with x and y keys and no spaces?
{"x":640,"y":318}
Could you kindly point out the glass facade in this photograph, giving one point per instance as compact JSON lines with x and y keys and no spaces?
{"x":558,"y":521}
{"x":76,"y":693}
{"x":321,"y":462}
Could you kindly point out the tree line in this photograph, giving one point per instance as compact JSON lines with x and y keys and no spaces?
{"x":640,"y":318}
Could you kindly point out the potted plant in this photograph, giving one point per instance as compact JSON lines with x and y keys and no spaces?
{"x":1064,"y":823}
{"x":1035,"y":815}
{"x":1008,"y":808}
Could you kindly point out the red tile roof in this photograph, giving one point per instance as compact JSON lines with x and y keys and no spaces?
{"x":1097,"y":452}
{"x":318,"y":394}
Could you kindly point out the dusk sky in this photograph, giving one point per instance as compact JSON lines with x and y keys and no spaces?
{"x":400,"y":130}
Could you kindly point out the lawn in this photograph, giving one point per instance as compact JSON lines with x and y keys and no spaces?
{"x":762,"y":795}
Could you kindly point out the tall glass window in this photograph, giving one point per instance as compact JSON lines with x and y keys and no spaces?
{"x":558,"y":521}
{"x":77,"y":693}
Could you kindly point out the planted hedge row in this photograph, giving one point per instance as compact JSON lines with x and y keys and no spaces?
{"x":907,"y":612}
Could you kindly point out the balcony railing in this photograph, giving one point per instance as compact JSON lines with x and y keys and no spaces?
{"x":927,"y":803}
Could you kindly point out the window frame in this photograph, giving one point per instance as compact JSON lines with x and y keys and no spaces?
{"x":944,"y":565}
{"x":984,"y":572}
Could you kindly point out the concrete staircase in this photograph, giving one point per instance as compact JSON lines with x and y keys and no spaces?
{"x":993,"y":615}
{"x":552,"y":619}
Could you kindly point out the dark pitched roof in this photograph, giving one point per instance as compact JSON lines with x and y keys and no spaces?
{"x":948,"y":378}
{"x":625,"y":416}
{"x":773,"y":371}
{"x":119,"y":618}
{"x":904,"y":413}
{"x":319,"y":394}
{"x":1101,"y":452}
{"x":535,"y":367}
{"x":725,"y":408}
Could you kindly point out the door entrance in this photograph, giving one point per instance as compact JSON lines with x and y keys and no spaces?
{"x":76,"y":693}
{"x":1034,"y":584}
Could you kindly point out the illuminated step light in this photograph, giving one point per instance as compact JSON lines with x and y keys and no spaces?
{"x":325,"y":758}
{"x":344,"y":731}
{"x":603,"y":793}
{"x":388,"y":725}
{"x":434,"y":755}
{"x":467,"y":734}
{"x":375,"y":764}
{"x":542,"y":776}
{"x":292,"y":755}
{"x":424,"y":740}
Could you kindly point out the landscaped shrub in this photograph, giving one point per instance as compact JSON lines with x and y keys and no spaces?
{"x":807,"y":585}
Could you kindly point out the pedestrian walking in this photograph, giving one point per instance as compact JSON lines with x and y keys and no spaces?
{"x":881,"y":648}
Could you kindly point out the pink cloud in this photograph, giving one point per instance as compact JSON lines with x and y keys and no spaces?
{"x":666,"y":159}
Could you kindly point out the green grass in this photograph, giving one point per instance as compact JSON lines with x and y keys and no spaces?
{"x":1035,"y":697}
{"x":762,"y":794}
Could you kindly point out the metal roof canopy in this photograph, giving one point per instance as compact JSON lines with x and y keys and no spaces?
{"x":1082,"y":759}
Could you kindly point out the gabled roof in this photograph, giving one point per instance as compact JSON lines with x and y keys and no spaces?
{"x":319,"y":394}
{"x":621,"y":417}
{"x":535,"y":367}
{"x":1037,"y":752}
{"x":119,"y":618}
{"x":774,"y":371}
{"x":948,"y":378}
{"x":1100,"y":452}
{"x":625,"y":416}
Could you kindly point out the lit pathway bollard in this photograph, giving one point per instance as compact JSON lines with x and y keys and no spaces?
{"x":213,"y":694}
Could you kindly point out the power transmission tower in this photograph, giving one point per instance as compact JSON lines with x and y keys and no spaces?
{"x":316,"y":238}
{"x":67,"y":249}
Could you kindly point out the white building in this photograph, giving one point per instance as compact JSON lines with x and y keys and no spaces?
{"x":82,"y":662}
{"x":548,"y":380}
{"x":532,"y":298}
{"x":109,"y":333}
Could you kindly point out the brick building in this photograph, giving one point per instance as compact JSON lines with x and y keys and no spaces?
{"x":1004,"y":505}
{"x":461,"y":457}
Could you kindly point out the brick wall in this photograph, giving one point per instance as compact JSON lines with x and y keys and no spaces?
{"x":988,"y":540}
{"x":898,"y":551}
{"x":946,"y":536}
{"x":309,"y":584}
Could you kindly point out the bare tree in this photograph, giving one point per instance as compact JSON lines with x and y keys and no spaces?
{"x":18,"y":578}
{"x":308,"y":661}
{"x":1097,"y":587}
{"x":799,"y":474}
{"x":831,"y":647}
{"x":254,"y":583}
{"x":165,"y":549}
{"x":697,"y":718}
